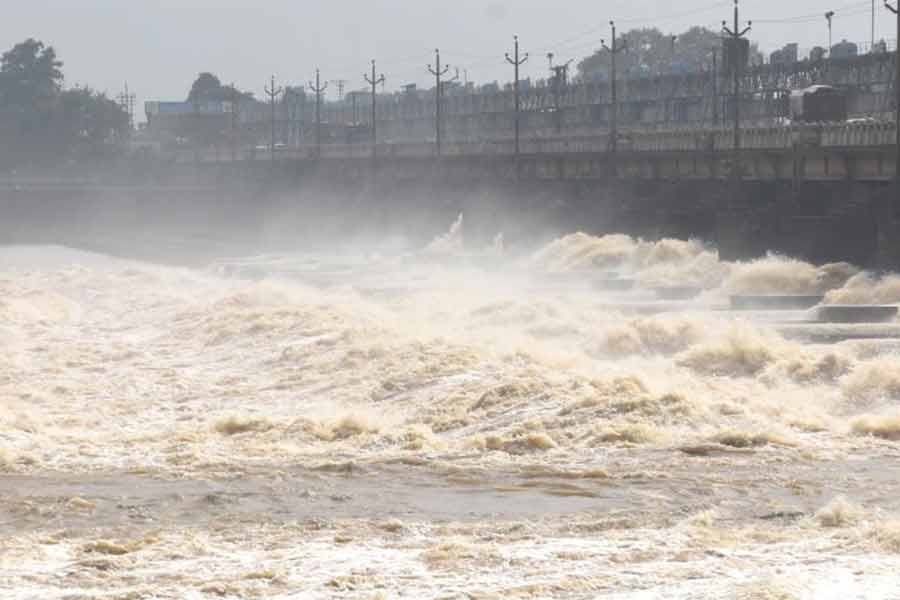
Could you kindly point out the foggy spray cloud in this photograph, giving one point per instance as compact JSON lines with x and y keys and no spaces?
{"x":444,"y":373}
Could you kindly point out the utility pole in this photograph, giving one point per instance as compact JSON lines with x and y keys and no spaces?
{"x":737,"y":40}
{"x":439,"y":73}
{"x":272,"y":92}
{"x":516,"y":62}
{"x":374,"y":81}
{"x":126,"y":101}
{"x":235,"y":103}
{"x":559,"y":81}
{"x":715,"y":84}
{"x":614,"y":50}
{"x":318,"y":89}
{"x":340,"y":83}
{"x":896,"y":11}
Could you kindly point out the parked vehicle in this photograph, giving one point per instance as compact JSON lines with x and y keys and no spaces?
{"x":819,"y":104}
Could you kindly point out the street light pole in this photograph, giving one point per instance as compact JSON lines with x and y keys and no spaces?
{"x":828,"y":17}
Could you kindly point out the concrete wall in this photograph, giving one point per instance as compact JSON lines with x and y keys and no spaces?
{"x":326,"y":204}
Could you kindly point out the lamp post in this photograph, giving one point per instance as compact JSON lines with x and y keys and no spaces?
{"x":828,"y":17}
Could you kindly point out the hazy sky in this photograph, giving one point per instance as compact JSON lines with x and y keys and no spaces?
{"x":159,"y":46}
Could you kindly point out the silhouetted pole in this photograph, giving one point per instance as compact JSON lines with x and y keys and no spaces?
{"x":318,"y":89}
{"x":560,"y":80}
{"x":438,"y":95}
{"x":828,"y":17}
{"x":374,"y":81}
{"x":614,"y":49}
{"x":341,"y":83}
{"x":896,"y":11}
{"x":736,"y":35}
{"x":715,"y":83}
{"x":516,"y":62}
{"x":272,"y":92}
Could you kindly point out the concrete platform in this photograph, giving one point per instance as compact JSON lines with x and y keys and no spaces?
{"x":832,"y":333}
{"x":614,"y":284}
{"x":775,"y":302}
{"x":856,"y":314}
{"x":677,"y":292}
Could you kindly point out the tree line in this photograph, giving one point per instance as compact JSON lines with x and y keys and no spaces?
{"x":651,"y":52}
{"x":42,"y":123}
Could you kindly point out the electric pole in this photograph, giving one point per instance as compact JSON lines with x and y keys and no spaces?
{"x":614,"y":50}
{"x":439,"y":82}
{"x":340,"y":83}
{"x":516,"y":62}
{"x":126,"y":101}
{"x":235,"y":102}
{"x":896,"y":11}
{"x":559,"y":81}
{"x":715,"y":86}
{"x":272,"y":92}
{"x":739,"y":53}
{"x":318,"y":89}
{"x":374,"y":81}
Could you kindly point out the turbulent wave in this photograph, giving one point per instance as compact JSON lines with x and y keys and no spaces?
{"x":671,"y":262}
{"x":546,"y":395}
{"x":865,"y":288}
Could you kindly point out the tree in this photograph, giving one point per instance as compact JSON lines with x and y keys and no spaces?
{"x":29,"y":73}
{"x":91,"y":120}
{"x":42,"y":124}
{"x":651,"y":52}
{"x":206,"y":88}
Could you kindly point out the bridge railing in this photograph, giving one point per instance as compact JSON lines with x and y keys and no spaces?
{"x":675,"y":139}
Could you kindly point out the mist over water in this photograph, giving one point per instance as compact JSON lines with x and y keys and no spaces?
{"x":448,"y":422}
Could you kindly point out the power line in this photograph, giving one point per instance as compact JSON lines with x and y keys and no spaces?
{"x":817,"y":16}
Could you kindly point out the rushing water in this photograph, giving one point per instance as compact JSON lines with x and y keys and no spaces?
{"x":437,"y":424}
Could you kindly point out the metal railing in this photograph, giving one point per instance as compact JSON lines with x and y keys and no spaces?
{"x":867,"y":134}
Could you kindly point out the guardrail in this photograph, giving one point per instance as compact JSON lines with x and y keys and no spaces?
{"x":843,"y":135}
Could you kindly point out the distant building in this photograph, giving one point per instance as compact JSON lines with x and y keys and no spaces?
{"x":787,"y":55}
{"x":188,"y":123}
{"x":844,"y":49}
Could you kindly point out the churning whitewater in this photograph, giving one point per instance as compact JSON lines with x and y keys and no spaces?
{"x":443,"y":424}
